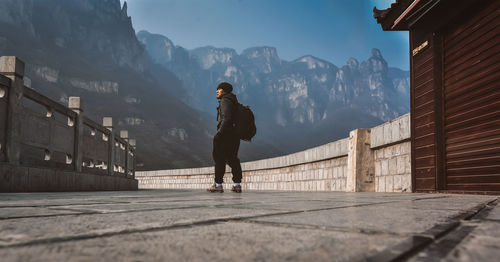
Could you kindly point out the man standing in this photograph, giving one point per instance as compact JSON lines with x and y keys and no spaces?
{"x":226,"y":141}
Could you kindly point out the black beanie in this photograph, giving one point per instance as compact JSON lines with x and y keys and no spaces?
{"x":227,"y":87}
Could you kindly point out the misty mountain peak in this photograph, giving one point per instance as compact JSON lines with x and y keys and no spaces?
{"x":160,"y":45}
{"x":313,"y":62}
{"x":267,"y":52}
{"x":352,"y":63}
{"x":208,"y":56}
{"x":145,"y":36}
{"x":376,"y":63}
{"x":124,"y":10}
{"x":263,"y":58}
{"x":217,"y":50}
{"x":376,"y":53}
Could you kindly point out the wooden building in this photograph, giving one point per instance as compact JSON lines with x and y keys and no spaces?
{"x":455,"y":91}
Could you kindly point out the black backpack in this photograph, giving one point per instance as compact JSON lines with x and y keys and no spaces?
{"x":245,"y":122}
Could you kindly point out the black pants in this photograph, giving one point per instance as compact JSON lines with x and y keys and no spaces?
{"x":226,"y":151}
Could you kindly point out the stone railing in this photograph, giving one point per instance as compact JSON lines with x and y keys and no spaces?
{"x":306,"y":170}
{"x":39,"y":135}
{"x":352,"y":164}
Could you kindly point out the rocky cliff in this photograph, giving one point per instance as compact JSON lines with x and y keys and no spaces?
{"x":88,"y":48}
{"x":305,"y":96}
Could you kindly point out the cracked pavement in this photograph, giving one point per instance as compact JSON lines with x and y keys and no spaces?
{"x":190,"y":225}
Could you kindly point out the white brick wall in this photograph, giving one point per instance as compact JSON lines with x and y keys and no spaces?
{"x":391,"y":145}
{"x":391,"y":132}
{"x":393,"y":168}
{"x":326,"y":175}
{"x":322,"y":168}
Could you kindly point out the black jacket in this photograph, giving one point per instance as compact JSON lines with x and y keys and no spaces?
{"x":226,"y":113}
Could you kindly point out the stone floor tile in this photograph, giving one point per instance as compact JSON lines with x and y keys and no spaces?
{"x":218,"y":242}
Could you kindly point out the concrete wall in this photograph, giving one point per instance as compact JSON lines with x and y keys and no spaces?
{"x":374,"y":159}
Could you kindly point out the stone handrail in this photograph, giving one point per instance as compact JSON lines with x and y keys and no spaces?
{"x":329,"y":151}
{"x":391,"y":132}
{"x":39,"y":132}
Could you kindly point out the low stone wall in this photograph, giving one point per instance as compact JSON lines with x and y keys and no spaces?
{"x":392,"y":154}
{"x":393,"y":168}
{"x":32,"y":179}
{"x":374,"y":159}
{"x":316,"y":169}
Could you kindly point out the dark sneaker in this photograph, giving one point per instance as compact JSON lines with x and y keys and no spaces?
{"x":236,"y":189}
{"x":214,"y":189}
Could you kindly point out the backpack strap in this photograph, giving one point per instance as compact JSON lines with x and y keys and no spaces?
{"x":218,"y":111}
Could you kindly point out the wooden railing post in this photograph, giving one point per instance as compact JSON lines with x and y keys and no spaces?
{"x":124,"y":135}
{"x":13,"y":68}
{"x":76,"y":104}
{"x":107,"y":122}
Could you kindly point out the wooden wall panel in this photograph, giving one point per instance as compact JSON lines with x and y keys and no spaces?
{"x":472,"y":102}
{"x":423,"y":115}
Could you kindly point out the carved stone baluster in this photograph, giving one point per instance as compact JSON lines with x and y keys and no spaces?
{"x":124,"y":135}
{"x":107,"y":122}
{"x":76,"y":104}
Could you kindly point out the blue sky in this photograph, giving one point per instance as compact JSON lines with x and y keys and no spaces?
{"x":334,"y":30}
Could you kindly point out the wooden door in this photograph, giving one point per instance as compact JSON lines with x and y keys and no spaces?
{"x":471,"y":94}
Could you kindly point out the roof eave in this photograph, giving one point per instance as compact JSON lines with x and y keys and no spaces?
{"x":387,"y":17}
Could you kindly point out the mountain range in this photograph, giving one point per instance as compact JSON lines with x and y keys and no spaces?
{"x":309,"y":101}
{"x":165,"y":94}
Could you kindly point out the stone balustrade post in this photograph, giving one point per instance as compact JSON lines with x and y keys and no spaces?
{"x":133,"y":144}
{"x":13,"y":68}
{"x":360,"y":162}
{"x":76,"y":104}
{"x":124,"y":135}
{"x":107,"y":122}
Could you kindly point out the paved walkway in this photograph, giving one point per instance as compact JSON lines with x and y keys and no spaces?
{"x":175,"y":225}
